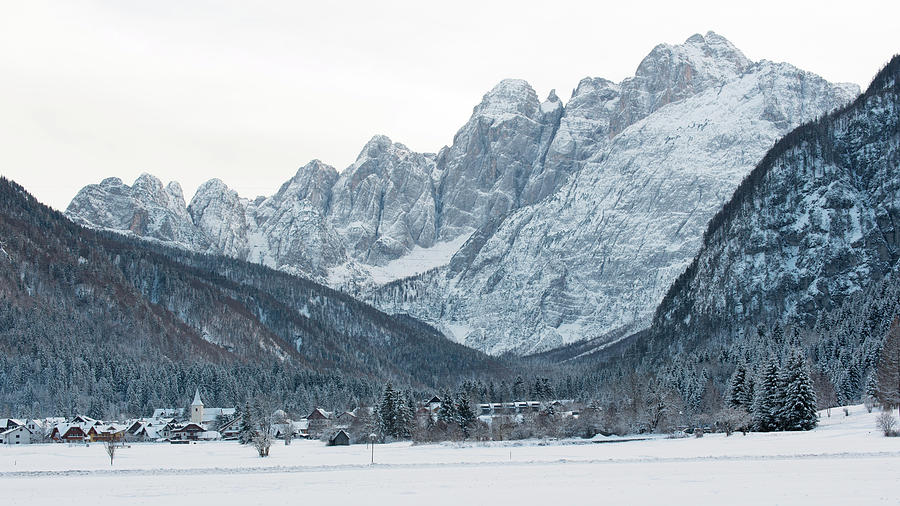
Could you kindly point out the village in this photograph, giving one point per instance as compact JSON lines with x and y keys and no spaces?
{"x":364,"y":424}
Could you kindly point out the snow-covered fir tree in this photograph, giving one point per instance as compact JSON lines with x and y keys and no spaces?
{"x":737,"y":389}
{"x":248,"y":424}
{"x":447,"y":410}
{"x":798,"y":410}
{"x":465,"y":415}
{"x":387,"y":412}
{"x":767,"y":407}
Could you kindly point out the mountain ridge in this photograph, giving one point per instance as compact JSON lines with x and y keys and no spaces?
{"x":511,"y":170}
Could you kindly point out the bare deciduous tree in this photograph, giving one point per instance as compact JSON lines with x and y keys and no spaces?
{"x":262,"y":440}
{"x":111,"y":446}
{"x":887,"y":423}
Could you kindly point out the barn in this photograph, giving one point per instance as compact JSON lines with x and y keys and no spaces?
{"x":340,"y":438}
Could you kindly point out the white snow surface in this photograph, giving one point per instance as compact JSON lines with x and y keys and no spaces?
{"x":845,"y":460}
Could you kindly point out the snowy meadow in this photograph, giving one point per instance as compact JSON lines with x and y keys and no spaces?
{"x":844,"y":460}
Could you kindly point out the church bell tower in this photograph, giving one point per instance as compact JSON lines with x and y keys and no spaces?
{"x":197,"y":408}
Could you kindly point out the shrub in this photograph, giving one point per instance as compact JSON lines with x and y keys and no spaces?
{"x":869,"y":402}
{"x":887,"y":424}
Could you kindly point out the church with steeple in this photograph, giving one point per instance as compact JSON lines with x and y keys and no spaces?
{"x":202,"y":415}
{"x":197,"y":408}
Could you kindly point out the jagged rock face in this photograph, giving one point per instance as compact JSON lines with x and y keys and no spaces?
{"x":816,"y":221}
{"x":288,"y":230}
{"x":219,"y":214}
{"x":145,"y":209}
{"x":600,"y":109}
{"x":384,"y":204}
{"x":596,"y":257}
{"x":578,"y":217}
{"x":493,"y":157}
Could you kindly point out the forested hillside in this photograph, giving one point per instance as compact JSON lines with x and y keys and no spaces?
{"x":93,"y":321}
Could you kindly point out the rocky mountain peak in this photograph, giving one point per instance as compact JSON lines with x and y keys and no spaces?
{"x":111,"y":181}
{"x":174,"y":189}
{"x":312,"y":182}
{"x":509,"y":97}
{"x":552,"y":105}
{"x":376,"y":146}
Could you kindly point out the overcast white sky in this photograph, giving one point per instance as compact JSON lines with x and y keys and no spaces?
{"x":249,"y":91}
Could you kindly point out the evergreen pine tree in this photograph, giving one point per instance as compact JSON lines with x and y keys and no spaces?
{"x":872,"y":386}
{"x":547,"y":389}
{"x":465,"y":415}
{"x":749,"y":392}
{"x":248,"y":425}
{"x":401,"y":416}
{"x":387,"y":411}
{"x":409,"y":415}
{"x":447,"y":410}
{"x":737,"y":388}
{"x":798,"y":411}
{"x":95,"y":411}
{"x":852,"y":384}
{"x":767,"y":407}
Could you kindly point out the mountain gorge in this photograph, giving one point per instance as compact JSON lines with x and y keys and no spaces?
{"x":541,"y":224}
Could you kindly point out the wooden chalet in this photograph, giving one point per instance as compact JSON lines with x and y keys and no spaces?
{"x":319,"y":422}
{"x":69,"y":434}
{"x":189,"y":432}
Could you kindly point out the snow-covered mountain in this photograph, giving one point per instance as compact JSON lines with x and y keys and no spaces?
{"x":595,"y":258}
{"x":816,"y":221}
{"x":563,"y":222}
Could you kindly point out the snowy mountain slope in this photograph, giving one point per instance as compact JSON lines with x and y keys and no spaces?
{"x":817,"y":220}
{"x":596,"y":257}
{"x":574,"y":219}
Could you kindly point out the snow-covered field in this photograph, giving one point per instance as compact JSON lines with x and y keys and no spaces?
{"x":844,"y":461}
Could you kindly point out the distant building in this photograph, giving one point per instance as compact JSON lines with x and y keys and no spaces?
{"x":340,"y":438}
{"x":190,"y":432}
{"x":18,"y":435}
{"x":69,"y":433}
{"x":345,"y":419}
{"x":319,"y":422}
{"x":199,"y":414}
{"x":197,"y":408}
{"x":167,"y":413}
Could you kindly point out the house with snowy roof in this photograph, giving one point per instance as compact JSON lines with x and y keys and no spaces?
{"x":167,"y":413}
{"x":19,"y":434}
{"x":319,"y":422}
{"x":190,"y":432}
{"x":69,"y":433}
{"x":108,"y":432}
{"x":345,"y":419}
